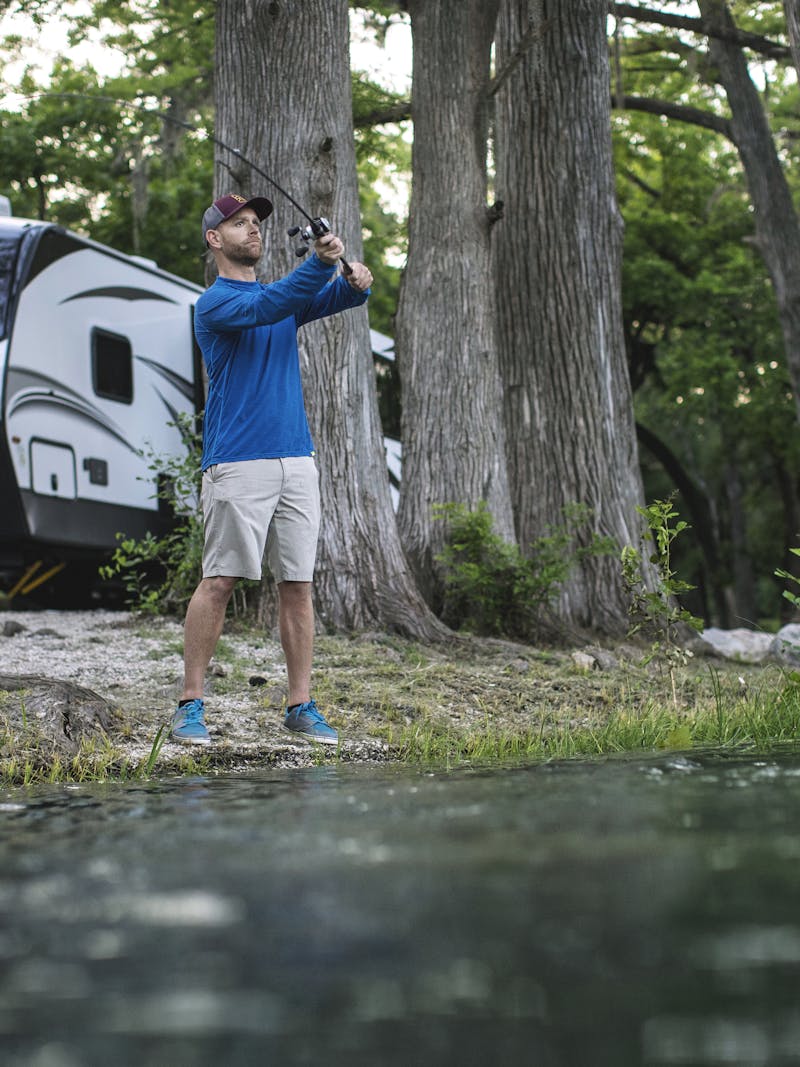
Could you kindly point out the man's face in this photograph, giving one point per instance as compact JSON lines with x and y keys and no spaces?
{"x":240,"y":237}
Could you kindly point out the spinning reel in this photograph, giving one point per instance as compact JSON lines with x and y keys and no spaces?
{"x":308,"y":234}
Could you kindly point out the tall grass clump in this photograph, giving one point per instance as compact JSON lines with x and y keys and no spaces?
{"x":728,"y":717}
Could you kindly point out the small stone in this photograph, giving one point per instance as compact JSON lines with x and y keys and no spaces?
{"x":11,"y":627}
{"x":256,"y":679}
{"x":603,"y":659}
{"x":521,"y":666}
{"x":583,"y":661}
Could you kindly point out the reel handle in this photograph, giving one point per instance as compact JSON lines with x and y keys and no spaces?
{"x":316,"y":228}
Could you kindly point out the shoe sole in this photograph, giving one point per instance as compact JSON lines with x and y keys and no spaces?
{"x":190,"y":740}
{"x":312,"y":737}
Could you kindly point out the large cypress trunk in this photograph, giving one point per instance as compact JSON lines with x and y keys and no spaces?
{"x":452,"y":425}
{"x":569,"y":413}
{"x":283,"y":99}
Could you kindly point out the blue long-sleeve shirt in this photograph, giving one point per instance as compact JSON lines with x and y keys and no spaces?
{"x":247,"y":332}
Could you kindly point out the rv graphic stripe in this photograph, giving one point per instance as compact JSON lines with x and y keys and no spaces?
{"x":120,"y":292}
{"x":181,"y":384}
{"x":26,"y":388}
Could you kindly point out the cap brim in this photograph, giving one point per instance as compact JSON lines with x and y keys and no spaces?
{"x":261,"y":206}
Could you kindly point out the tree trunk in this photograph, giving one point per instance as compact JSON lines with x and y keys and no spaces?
{"x":452,"y":425}
{"x":776,"y":221}
{"x":283,"y":99}
{"x":744,"y":580}
{"x":569,"y":412}
{"x":791,"y":9}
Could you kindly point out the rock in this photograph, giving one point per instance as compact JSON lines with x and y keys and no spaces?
{"x":786,"y":645}
{"x":11,"y":628}
{"x":519,"y":665}
{"x":605,"y":660}
{"x":742,"y":646}
{"x":583,"y":661}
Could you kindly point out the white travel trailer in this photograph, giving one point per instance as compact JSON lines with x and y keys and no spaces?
{"x":97,"y":357}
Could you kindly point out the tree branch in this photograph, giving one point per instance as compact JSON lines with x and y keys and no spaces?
{"x":398,"y":112}
{"x":694,"y":115}
{"x":754,"y":41}
{"x":642,"y":184}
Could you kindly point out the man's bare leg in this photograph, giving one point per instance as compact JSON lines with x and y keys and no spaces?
{"x":205,"y":618}
{"x":296,"y":624}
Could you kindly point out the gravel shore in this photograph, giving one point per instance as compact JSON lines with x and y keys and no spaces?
{"x":135,"y":665}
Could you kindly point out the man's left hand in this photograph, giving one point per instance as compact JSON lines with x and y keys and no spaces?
{"x":359,"y":277}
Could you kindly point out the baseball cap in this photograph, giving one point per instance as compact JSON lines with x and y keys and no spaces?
{"x":231,"y":203}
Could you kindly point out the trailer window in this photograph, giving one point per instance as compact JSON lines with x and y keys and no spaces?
{"x":8,"y":257}
{"x":112,"y":366}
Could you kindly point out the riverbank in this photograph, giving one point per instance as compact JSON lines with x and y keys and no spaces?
{"x":94,"y":688}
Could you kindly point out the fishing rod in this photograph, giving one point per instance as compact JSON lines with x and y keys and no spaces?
{"x":306,"y":235}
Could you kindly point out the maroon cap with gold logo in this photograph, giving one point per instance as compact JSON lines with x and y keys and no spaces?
{"x":231,"y":203}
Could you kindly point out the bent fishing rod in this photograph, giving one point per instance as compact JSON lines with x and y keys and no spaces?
{"x":306,"y":235}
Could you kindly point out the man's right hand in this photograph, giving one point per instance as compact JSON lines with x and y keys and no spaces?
{"x":329,"y":248}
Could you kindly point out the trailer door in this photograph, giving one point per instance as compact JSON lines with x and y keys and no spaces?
{"x":53,"y":469}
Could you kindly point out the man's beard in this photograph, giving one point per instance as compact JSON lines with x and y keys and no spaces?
{"x":244,"y":256}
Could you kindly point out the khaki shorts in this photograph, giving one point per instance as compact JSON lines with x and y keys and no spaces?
{"x":258,"y":502}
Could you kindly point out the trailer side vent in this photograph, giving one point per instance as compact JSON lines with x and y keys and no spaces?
{"x":98,"y":471}
{"x":112,"y":366}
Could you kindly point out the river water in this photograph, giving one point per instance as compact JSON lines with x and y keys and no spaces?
{"x":612,"y":912}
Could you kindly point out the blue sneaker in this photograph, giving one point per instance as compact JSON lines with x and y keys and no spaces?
{"x":187,"y":724}
{"x":305,"y":720}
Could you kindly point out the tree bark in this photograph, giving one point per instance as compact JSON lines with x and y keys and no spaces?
{"x":791,"y":9}
{"x":569,"y":413}
{"x":776,"y":221}
{"x":452,"y":426}
{"x":283,"y":99}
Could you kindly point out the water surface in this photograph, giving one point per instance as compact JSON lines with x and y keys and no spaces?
{"x":614,"y":912}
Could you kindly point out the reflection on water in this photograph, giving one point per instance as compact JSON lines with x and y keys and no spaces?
{"x":636,"y":911}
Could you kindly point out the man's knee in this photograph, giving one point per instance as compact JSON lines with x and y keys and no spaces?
{"x":218,"y":588}
{"x":294,"y":592}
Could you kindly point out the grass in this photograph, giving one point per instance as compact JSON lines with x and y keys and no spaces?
{"x":29,"y":758}
{"x":758,"y":720}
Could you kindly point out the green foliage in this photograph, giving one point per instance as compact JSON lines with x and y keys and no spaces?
{"x":113,"y":170}
{"x":161,"y":573}
{"x":793,"y":598}
{"x":655,"y":612}
{"x":702,"y":332}
{"x":491,"y":587}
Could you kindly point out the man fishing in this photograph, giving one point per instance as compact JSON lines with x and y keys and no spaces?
{"x":260,"y":481}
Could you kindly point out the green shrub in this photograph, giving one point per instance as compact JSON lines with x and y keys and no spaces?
{"x":491,"y":587}
{"x":654,"y":609}
{"x":161,"y":573}
{"x":793,"y":598}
